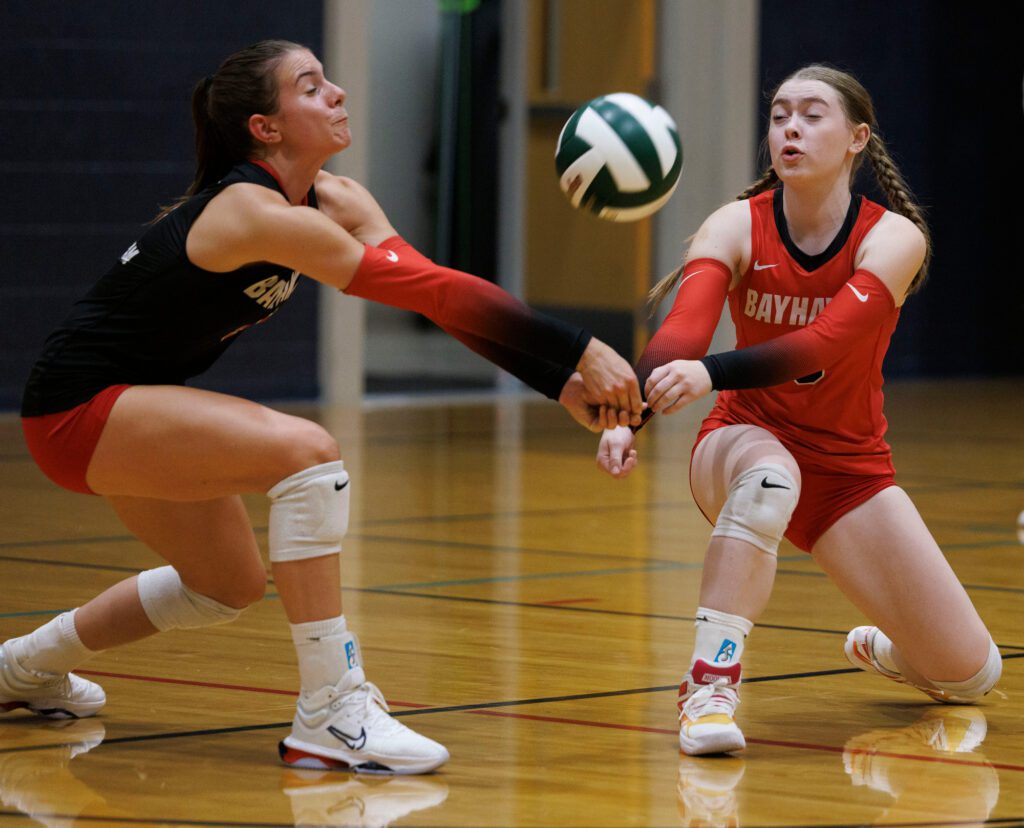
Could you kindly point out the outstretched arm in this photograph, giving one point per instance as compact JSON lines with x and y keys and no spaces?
{"x":396,"y":274}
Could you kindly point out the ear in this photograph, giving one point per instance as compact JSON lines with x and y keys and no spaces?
{"x":860,"y":138}
{"x":263,"y":129}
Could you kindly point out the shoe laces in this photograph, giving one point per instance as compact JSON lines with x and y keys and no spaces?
{"x":717,"y":697}
{"x":368,"y":702}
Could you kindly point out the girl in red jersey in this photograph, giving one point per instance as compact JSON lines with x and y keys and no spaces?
{"x":106,"y":411}
{"x":815,"y":277}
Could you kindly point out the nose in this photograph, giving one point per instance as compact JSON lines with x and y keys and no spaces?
{"x":339,"y":95}
{"x":792,"y":129}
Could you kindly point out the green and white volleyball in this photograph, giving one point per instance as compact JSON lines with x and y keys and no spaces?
{"x":619,"y":156}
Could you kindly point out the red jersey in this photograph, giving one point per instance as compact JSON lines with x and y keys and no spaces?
{"x":831,"y":420}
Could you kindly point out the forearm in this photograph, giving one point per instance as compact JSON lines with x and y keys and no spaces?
{"x":689,"y":327}
{"x":808,"y":350}
{"x":543,"y":376}
{"x":395,"y":274}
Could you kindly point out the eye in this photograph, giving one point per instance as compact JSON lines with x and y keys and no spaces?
{"x":778,"y":117}
{"x":312,"y":90}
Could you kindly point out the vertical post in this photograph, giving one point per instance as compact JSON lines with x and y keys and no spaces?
{"x":347,"y":39}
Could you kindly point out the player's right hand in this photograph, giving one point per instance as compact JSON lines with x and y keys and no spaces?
{"x":615,"y":453}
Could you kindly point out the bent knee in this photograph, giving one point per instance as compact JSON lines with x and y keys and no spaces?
{"x":302,"y":444}
{"x":973,"y":688}
{"x":240,"y":591}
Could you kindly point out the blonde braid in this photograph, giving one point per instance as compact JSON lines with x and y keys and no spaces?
{"x":900,"y":199}
{"x":767,"y":180}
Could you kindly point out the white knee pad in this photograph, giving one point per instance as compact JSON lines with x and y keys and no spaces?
{"x":760,"y":503}
{"x":965,"y":692}
{"x":170,"y":605}
{"x":309,"y":513}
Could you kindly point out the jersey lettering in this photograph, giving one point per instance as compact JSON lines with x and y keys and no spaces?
{"x":772,"y":307}
{"x":272,"y":291}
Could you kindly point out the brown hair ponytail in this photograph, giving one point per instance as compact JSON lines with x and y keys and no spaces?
{"x":244,"y":85}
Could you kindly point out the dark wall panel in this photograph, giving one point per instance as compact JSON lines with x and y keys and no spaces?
{"x":946,"y":81}
{"x":96,"y":136}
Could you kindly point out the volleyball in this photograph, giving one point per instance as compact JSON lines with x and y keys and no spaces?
{"x":619,"y":157}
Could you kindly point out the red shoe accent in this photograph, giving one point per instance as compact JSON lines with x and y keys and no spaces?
{"x":703,"y":673}
{"x":302,"y":759}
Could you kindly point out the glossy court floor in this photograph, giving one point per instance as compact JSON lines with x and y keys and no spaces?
{"x":535,"y":617}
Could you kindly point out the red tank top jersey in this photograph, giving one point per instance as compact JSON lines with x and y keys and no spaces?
{"x":831,"y":420}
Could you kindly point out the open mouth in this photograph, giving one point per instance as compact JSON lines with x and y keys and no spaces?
{"x":791,"y":153}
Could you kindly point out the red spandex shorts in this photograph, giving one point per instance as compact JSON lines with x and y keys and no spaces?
{"x":825,"y":496}
{"x":62,"y":444}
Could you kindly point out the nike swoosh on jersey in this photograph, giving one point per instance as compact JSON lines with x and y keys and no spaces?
{"x":392,"y":256}
{"x":863,"y":297}
{"x":689,"y":276}
{"x":759,"y":266}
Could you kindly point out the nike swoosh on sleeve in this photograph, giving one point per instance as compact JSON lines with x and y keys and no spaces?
{"x":689,"y":276}
{"x":863,"y":297}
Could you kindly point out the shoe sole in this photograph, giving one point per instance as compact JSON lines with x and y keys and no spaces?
{"x":54,"y":708}
{"x":724,"y":741}
{"x":298,"y":754}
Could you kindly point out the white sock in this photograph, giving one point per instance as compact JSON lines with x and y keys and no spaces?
{"x":720,"y":637}
{"x":321,"y":649}
{"x":53,"y":648}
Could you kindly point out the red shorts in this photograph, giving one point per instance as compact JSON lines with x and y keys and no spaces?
{"x":825,"y":496}
{"x":62,"y":444}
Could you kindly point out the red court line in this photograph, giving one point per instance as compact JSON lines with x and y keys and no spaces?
{"x":561,"y":720}
{"x":771,"y":742}
{"x":194,"y":683}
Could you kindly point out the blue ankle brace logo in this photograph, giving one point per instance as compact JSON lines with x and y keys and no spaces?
{"x":725,"y":652}
{"x":350,"y":654}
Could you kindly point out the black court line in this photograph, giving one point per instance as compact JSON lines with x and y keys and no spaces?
{"x":456,"y":708}
{"x":77,"y":818}
{"x":523,"y":604}
{"x":599,"y":611}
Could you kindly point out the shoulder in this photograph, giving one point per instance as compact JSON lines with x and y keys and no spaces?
{"x":336,"y":188}
{"x":244,"y":198}
{"x":725,"y":235}
{"x":893,"y":250}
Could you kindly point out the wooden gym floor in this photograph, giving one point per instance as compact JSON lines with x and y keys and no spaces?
{"x":534,"y":616}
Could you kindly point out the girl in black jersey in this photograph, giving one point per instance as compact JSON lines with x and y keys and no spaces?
{"x":105,"y":410}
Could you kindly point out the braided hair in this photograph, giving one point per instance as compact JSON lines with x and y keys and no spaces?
{"x":859,"y":109}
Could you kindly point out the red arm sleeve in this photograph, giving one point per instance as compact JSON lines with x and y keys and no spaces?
{"x":395,"y":274}
{"x":687,"y":330}
{"x":859,"y":309}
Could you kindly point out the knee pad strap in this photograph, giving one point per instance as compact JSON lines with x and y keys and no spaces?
{"x":760,"y":503}
{"x":170,"y":605}
{"x":309,"y":513}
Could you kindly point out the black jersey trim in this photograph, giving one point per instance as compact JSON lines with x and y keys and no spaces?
{"x":805,"y":260}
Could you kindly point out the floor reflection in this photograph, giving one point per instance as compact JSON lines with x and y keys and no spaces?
{"x":38,"y":782}
{"x":933,"y":766}
{"x":707,"y":790}
{"x":341,"y":799}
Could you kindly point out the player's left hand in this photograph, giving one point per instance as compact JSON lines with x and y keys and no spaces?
{"x":676,"y":384}
{"x":611,"y":383}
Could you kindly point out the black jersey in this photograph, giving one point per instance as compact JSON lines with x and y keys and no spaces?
{"x":156,"y":318}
